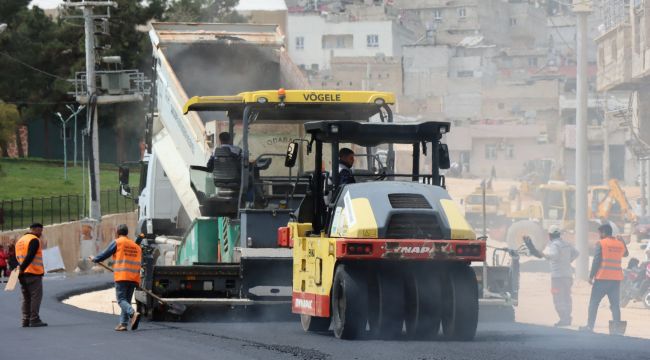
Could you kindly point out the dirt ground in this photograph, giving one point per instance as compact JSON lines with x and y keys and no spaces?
{"x":536,"y":302}
{"x":100,"y":301}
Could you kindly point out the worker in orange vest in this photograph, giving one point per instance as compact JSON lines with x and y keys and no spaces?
{"x":606,"y":275}
{"x":29,"y":254}
{"x":127,"y":261}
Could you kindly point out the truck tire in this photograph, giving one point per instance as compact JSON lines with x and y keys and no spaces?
{"x":314,"y":324}
{"x":349,"y":303}
{"x":517,"y":231}
{"x":646,"y":299}
{"x":460,"y":304}
{"x":387,"y":308}
{"x":423,"y":304}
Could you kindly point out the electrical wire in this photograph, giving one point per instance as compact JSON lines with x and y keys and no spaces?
{"x":31,"y":67}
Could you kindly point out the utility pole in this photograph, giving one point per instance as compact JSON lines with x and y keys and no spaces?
{"x":605,"y":129}
{"x":87,"y":8}
{"x":582,"y":10}
{"x":647,"y":185}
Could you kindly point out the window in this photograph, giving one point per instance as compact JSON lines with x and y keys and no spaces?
{"x":501,"y":106}
{"x":490,"y":152}
{"x":465,"y":74}
{"x":314,"y":67}
{"x":300,"y":43}
{"x":513,"y":21}
{"x":462,"y":12}
{"x":337,"y":41}
{"x":510,"y":151}
{"x":373,"y":40}
{"x":532,"y":61}
{"x":437,"y":15}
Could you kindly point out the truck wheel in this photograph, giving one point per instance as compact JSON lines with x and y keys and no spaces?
{"x":349,"y":300}
{"x":314,"y":323}
{"x":422,"y":311}
{"x":460,"y":306}
{"x":387,"y":309}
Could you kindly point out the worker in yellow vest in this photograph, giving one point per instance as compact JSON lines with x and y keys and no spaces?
{"x":127,"y":261}
{"x":606,"y":275}
{"x":29,"y":254}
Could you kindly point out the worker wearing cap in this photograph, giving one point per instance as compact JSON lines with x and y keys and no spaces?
{"x":561,"y":254}
{"x":29,"y":254}
{"x":606,"y":275}
{"x":127,"y":261}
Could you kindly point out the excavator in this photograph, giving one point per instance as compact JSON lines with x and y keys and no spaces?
{"x":609,"y":202}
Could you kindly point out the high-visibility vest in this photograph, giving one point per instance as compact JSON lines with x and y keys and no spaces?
{"x":22,"y":246}
{"x":613,"y":251}
{"x":127,"y":260}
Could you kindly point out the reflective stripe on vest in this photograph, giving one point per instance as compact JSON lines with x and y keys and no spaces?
{"x":127,"y":260}
{"x":22,"y":247}
{"x":610,"y":265}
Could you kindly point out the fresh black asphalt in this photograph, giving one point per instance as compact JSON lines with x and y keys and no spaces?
{"x":78,"y":334}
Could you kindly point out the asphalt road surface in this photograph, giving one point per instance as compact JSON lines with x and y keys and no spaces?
{"x":78,"y":334}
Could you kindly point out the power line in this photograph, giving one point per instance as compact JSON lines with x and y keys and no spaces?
{"x":31,"y":67}
{"x":555,"y":27}
{"x":18,"y":102}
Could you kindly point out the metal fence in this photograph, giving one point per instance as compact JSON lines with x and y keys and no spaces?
{"x":20,"y":213}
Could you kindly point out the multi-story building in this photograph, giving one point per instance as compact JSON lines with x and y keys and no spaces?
{"x":624,"y":72}
{"x":314,"y":38}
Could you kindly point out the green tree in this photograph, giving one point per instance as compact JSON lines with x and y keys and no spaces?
{"x":9,"y":119}
{"x":203,"y":11}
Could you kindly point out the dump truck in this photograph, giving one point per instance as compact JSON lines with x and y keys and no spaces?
{"x":387,"y":251}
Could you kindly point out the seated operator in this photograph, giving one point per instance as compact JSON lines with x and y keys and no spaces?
{"x":225,"y":142}
{"x":346,"y":161}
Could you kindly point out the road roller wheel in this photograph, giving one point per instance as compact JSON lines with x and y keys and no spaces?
{"x":460,"y":303}
{"x":314,"y":323}
{"x":387,"y":304}
{"x":423,"y":304}
{"x":349,"y":302}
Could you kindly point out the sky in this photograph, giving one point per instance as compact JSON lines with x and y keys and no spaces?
{"x":47,"y":4}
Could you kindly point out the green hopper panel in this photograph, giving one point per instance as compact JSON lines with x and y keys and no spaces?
{"x":201,"y":243}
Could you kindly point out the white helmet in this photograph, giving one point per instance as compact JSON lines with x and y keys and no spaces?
{"x":554,"y":230}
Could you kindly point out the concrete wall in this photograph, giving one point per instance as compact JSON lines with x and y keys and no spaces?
{"x":380,"y":73}
{"x":67,"y":236}
{"x":426,"y":70}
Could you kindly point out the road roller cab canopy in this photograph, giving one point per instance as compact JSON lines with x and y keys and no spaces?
{"x":422,"y":136}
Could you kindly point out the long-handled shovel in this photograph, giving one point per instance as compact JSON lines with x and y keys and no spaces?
{"x":175,"y":309}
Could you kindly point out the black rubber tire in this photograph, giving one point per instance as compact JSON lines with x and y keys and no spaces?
{"x":422,"y":313}
{"x":388,"y":307}
{"x":349,"y":302}
{"x":460,"y":303}
{"x":314,"y":324}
